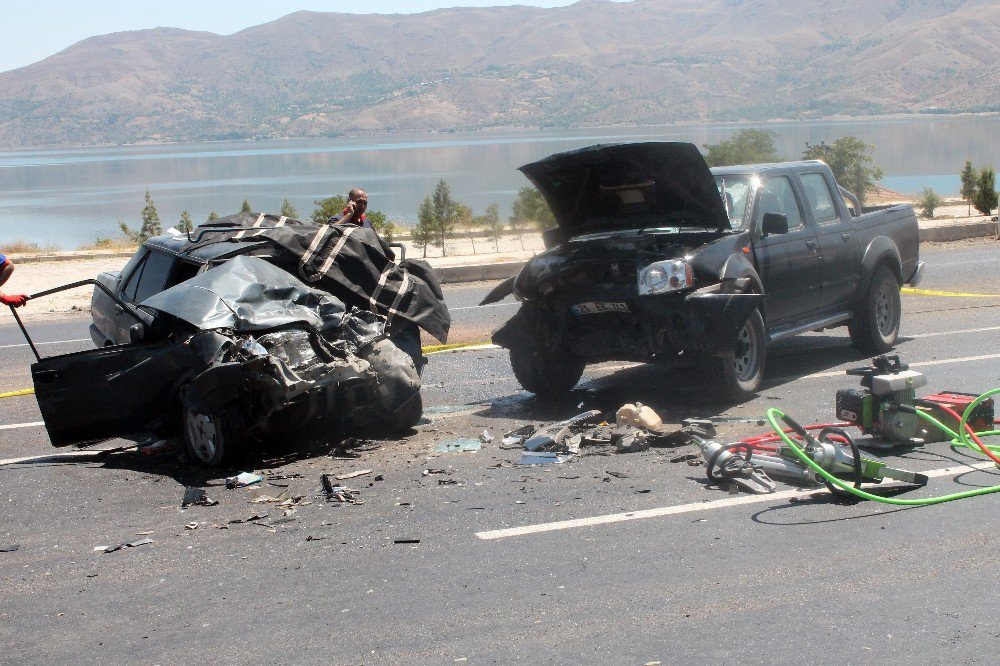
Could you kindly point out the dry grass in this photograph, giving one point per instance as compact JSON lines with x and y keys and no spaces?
{"x":110,"y":244}
{"x":21,"y":246}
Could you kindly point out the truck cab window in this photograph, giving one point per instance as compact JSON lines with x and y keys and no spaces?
{"x":820,"y":201}
{"x":777,"y":196}
{"x":735,"y":193}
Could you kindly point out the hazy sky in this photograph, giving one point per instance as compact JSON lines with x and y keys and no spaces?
{"x":35,"y":29}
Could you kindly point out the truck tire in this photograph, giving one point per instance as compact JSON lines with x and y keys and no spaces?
{"x":875,"y":325}
{"x":212,"y":439}
{"x":739,"y":374}
{"x":546,"y":375}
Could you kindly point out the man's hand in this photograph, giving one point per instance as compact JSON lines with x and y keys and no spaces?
{"x":13,"y":300}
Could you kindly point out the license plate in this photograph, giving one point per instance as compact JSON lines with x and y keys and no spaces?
{"x":599,"y":307}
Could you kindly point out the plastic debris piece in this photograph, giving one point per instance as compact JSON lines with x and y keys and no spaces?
{"x":191,"y":526}
{"x":458,"y":445}
{"x":193,"y":495}
{"x":9,"y":549}
{"x":639,"y":416}
{"x":406,"y":540}
{"x":629,"y":439}
{"x":337,"y":493}
{"x":254,"y":517}
{"x":515,"y":438}
{"x":433,"y":470}
{"x":243,"y":479}
{"x":486,"y":437}
{"x":351,"y":475}
{"x":543,"y":457}
{"x":130,"y":544}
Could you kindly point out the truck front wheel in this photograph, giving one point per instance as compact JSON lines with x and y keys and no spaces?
{"x":875,"y":325}
{"x":740,"y":373}
{"x":545,"y":374}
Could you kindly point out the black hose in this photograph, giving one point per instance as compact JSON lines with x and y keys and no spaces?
{"x":824,"y":436}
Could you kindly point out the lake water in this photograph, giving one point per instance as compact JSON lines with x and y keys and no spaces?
{"x":71,"y":197}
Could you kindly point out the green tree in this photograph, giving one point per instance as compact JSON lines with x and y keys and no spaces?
{"x":490,"y":221}
{"x":464,"y":219}
{"x":328,"y":207}
{"x":851,"y":161}
{"x":382,"y":226}
{"x":748,"y":146}
{"x":185,"y":225}
{"x":288,"y":210}
{"x":928,"y":201}
{"x":150,"y":223}
{"x":245,"y":208}
{"x":530,"y":207}
{"x":445,"y":215}
{"x":970,"y":184}
{"x":212,"y":217}
{"x":424,"y":233}
{"x":986,"y":191}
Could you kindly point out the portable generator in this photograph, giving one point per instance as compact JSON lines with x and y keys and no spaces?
{"x":943,"y":406}
{"x":874,"y":408}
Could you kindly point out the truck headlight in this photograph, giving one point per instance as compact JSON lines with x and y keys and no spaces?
{"x":665,"y":276}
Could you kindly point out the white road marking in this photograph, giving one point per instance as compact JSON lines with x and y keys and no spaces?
{"x":692,"y":507}
{"x":918,"y":364}
{"x":56,"y":342}
{"x":15,"y":426}
{"x":967,"y":330}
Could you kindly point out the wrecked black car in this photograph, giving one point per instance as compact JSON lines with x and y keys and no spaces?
{"x":248,"y":326}
{"x":657,"y":259}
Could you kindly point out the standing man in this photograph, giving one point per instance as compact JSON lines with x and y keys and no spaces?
{"x":6,"y":268}
{"x":354,"y":212}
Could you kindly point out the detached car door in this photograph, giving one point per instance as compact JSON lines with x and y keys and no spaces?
{"x":111,"y":392}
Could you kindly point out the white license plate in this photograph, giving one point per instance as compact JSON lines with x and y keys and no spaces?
{"x":599,"y":307}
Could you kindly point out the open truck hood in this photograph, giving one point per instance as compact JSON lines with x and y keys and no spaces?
{"x":629,"y":186}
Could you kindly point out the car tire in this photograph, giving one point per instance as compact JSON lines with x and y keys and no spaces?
{"x":739,"y":374}
{"x":875,"y":325}
{"x":545,"y":375}
{"x":212,"y":439}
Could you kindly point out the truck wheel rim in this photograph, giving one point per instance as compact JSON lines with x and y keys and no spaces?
{"x":745,"y":358}
{"x":201,"y":435}
{"x":883,"y":312}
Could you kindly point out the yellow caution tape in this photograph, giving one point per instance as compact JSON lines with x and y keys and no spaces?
{"x":14,"y":394}
{"x":954,"y":294}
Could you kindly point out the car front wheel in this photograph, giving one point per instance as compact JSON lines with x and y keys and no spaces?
{"x":738,"y":375}
{"x":876,"y":321}
{"x":545,"y":374}
{"x":212,"y":439}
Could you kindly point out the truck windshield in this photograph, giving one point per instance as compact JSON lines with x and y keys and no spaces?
{"x":735,"y":193}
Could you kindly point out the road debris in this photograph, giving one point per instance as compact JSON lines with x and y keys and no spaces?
{"x":639,"y":416}
{"x":351,"y":475}
{"x":191,"y":526}
{"x":337,"y":493}
{"x":460,"y":444}
{"x":243,"y":479}
{"x":433,"y":470}
{"x":9,"y":549}
{"x":406,"y":540}
{"x":130,"y":544}
{"x":196,"y":496}
{"x":255,"y":517}
{"x":485,"y":437}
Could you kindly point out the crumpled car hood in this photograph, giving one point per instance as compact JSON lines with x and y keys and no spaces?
{"x":248,"y":294}
{"x":629,"y":186}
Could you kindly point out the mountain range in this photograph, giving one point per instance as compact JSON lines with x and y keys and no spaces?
{"x":589,"y":64}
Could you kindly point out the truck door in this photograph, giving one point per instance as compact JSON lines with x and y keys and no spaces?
{"x":838,"y":241}
{"x":791,"y":265}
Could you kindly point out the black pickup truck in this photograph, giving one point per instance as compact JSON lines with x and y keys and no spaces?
{"x":658,"y":259}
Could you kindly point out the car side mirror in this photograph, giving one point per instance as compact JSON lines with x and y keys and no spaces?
{"x":136,"y":333}
{"x":774,"y":223}
{"x":554,"y":236}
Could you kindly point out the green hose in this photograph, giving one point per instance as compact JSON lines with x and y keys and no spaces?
{"x":774,"y":414}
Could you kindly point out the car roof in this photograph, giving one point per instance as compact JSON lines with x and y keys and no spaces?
{"x":204,"y":251}
{"x":764,"y":168}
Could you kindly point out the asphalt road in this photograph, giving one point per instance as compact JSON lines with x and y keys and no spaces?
{"x":709,"y":577}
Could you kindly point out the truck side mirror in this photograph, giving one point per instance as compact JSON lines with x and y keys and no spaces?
{"x":774,"y":223}
{"x":136,"y":333}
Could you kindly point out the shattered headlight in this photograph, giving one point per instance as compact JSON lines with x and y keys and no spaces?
{"x":665,"y":276}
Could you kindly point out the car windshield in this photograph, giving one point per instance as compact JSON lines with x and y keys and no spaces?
{"x":735,"y":193}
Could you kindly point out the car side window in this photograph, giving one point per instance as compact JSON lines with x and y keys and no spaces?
{"x":777,"y":196}
{"x":132,"y":272}
{"x":153,"y":275}
{"x":819,"y":198}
